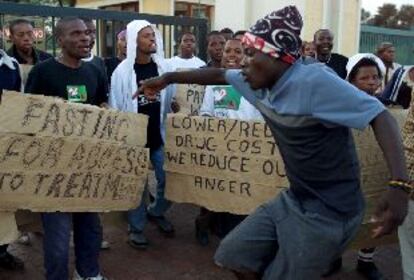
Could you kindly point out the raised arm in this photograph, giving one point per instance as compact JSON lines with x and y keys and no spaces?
{"x":392,"y":208}
{"x":204,"y":76}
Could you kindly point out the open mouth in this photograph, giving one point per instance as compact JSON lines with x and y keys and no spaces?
{"x":232,"y":63}
{"x":326,"y":48}
{"x":85,"y":48}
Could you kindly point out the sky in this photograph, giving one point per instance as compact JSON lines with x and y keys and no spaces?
{"x":372,"y":5}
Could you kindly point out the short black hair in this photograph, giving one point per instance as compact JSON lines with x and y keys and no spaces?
{"x":185,"y":33}
{"x":15,"y":22}
{"x":61,"y":24}
{"x":364,"y":62}
{"x":213,"y":33}
{"x":383,"y":47}
{"x":239,"y":32}
{"x":226,"y":30}
{"x":321,"y":30}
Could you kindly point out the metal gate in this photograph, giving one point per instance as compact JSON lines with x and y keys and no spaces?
{"x":403,"y":40}
{"x":108,"y":24}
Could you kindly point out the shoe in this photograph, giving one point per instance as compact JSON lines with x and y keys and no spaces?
{"x":369,"y":270}
{"x":105,"y":245}
{"x":334,"y":267}
{"x":201,"y":234}
{"x":76,"y":276}
{"x":138,"y":240}
{"x":10,"y":262}
{"x":163,"y":225}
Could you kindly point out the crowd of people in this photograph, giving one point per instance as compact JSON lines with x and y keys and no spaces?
{"x":309,"y":96}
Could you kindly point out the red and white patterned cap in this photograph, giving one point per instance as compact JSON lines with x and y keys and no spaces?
{"x":277,"y":34}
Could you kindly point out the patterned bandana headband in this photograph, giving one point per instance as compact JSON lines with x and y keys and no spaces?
{"x":277,"y":34}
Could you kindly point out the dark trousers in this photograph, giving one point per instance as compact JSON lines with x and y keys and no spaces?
{"x":3,"y":249}
{"x":87,"y":236}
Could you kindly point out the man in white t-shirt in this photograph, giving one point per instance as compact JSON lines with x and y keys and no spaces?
{"x":186,"y":58}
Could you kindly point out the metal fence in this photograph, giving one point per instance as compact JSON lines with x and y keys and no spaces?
{"x":108,"y":24}
{"x":372,"y":36}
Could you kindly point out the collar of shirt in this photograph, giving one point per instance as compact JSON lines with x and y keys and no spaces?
{"x":282,"y":82}
{"x":88,"y":59}
{"x":6,"y":60}
{"x":13,"y":52}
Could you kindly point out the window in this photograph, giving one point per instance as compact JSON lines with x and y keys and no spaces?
{"x":193,"y":10}
{"x":128,"y":7}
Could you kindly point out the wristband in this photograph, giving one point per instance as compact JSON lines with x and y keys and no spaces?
{"x":405,"y":186}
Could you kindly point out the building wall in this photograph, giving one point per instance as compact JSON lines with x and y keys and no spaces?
{"x":231,"y":13}
{"x":158,"y":7}
{"x":241,"y":14}
{"x":340,"y":16}
{"x":313,"y":18}
{"x":350,"y":27}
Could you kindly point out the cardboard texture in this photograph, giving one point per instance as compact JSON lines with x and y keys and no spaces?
{"x":48,"y":116}
{"x":223,"y":165}
{"x":190,"y":98}
{"x":59,"y":156}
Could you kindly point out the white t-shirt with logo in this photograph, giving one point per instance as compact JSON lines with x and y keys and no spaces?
{"x":177,"y":62}
{"x":225,"y":102}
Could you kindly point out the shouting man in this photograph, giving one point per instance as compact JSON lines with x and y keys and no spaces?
{"x":296,"y":235}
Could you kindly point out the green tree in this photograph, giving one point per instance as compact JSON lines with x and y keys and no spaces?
{"x":386,"y":16}
{"x":389,"y":16}
{"x":405,"y":17}
{"x":365,"y":15}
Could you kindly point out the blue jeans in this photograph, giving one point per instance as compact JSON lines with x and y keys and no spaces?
{"x":283,"y":240}
{"x":137,"y":218}
{"x":87,"y":236}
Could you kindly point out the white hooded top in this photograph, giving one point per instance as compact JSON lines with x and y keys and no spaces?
{"x":353,"y":60}
{"x":124,"y":79}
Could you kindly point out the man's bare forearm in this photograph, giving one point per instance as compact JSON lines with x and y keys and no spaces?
{"x":205,"y":76}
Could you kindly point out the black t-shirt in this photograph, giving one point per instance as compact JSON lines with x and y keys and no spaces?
{"x":99,"y":63}
{"x":86,"y":84}
{"x":111,"y":63}
{"x":150,"y":108}
{"x":338,"y":63}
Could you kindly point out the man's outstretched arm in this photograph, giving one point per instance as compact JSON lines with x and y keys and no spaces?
{"x":205,"y":76}
{"x":392,"y":208}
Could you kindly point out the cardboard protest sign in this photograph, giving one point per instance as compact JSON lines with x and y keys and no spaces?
{"x":373,"y":167}
{"x":8,"y":228}
{"x":85,"y":174}
{"x":223,"y":165}
{"x":58,"y":156}
{"x":190,"y":98}
{"x":40,"y":115}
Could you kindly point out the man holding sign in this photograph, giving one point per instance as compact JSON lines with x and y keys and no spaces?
{"x":72,"y":79}
{"x":9,"y":80}
{"x":297,"y":234}
{"x":145,"y":59}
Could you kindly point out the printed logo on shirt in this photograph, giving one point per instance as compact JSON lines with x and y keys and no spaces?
{"x":143,"y":100}
{"x":77,"y":93}
{"x":226,"y":97}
